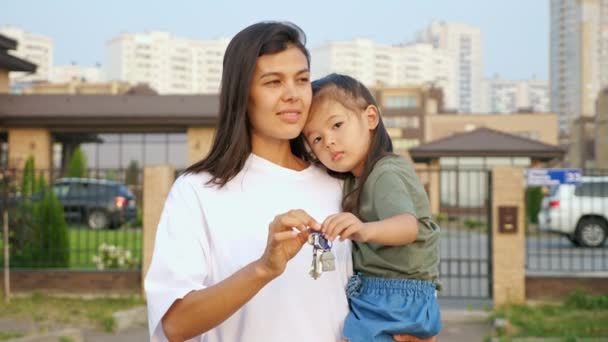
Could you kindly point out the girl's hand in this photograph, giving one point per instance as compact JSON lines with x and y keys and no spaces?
{"x":346,"y":225}
{"x":283,"y":242}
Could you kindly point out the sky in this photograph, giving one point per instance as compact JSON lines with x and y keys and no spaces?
{"x":515,"y":33}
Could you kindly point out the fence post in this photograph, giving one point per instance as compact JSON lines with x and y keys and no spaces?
{"x":157,"y":183}
{"x":508,"y":235}
{"x":7,"y":272}
{"x":199,"y":142}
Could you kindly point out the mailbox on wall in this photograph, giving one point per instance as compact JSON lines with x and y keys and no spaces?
{"x":507,"y":219}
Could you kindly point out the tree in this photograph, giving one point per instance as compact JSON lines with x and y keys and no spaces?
{"x":28,"y":180}
{"x":54,"y":235}
{"x":39,"y":235}
{"x":77,"y":166}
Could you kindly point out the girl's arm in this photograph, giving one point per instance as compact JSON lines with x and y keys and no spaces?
{"x":202,"y":310}
{"x":394,"y":231}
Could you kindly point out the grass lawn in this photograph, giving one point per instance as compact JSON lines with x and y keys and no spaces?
{"x":84,"y":243}
{"x":579,"y":316}
{"x":48,"y":311}
{"x":9,"y":335}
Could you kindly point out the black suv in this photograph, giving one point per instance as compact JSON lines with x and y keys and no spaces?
{"x":98,"y":203}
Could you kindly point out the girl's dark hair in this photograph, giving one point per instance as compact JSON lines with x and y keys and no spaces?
{"x":353,"y":95}
{"x":232,"y":142}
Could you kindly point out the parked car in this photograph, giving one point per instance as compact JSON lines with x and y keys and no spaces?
{"x":579,"y":212}
{"x":98,"y":203}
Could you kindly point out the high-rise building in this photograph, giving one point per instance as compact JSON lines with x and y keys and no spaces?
{"x":377,"y":64}
{"x":33,"y":47}
{"x":510,"y":96}
{"x":168,"y":64}
{"x":578,"y":57}
{"x":464,"y":45}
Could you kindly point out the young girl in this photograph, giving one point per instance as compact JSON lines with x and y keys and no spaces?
{"x":386,"y":215}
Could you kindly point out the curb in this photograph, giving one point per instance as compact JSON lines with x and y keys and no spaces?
{"x":463,"y":316}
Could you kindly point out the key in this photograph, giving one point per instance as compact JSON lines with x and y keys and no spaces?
{"x":327,"y":260}
{"x":316,"y":267}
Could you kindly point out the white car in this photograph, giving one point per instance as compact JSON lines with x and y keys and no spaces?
{"x":578,"y":211}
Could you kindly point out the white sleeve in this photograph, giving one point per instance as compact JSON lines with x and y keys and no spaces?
{"x":180,"y":262}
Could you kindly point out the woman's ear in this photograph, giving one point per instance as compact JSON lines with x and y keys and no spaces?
{"x":372,"y":116}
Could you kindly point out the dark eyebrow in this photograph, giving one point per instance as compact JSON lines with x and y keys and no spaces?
{"x":328,"y":119}
{"x":331,"y":117}
{"x":278,"y":74}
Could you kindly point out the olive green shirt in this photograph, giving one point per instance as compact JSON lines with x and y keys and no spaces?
{"x":393,"y":188}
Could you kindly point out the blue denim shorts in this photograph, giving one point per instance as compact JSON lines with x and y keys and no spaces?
{"x":383,"y":307}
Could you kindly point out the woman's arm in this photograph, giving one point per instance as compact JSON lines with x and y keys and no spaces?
{"x":394,"y":231}
{"x":202,"y":310}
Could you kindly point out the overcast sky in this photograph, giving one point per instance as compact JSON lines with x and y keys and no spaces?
{"x":515,"y":32}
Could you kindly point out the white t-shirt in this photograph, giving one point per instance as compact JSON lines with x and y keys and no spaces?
{"x":206,"y":234}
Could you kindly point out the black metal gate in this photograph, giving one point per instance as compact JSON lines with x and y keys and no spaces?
{"x":464,"y":214}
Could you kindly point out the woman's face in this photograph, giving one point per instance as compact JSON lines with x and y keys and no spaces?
{"x":280,"y":96}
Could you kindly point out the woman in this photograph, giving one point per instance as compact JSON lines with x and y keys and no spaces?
{"x":217,"y":273}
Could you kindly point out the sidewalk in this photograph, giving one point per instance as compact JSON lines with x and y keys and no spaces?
{"x":464,"y":325}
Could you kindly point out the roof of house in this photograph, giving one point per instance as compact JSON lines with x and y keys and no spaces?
{"x":103,"y":112}
{"x":485,"y":142}
{"x":10,"y":62}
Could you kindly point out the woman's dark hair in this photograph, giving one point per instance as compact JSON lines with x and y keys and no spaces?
{"x":353,"y":95}
{"x":232,"y":142}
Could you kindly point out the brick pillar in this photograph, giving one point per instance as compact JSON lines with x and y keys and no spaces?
{"x":434,"y":192}
{"x":508,"y":241}
{"x":157,"y":183}
{"x":26,"y":142}
{"x":5,"y":83}
{"x":199,"y":143}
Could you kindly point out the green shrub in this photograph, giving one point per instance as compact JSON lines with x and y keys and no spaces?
{"x":28,"y":182}
{"x":39,"y":233}
{"x":473,"y":223}
{"x":580,"y":300}
{"x":132,"y":173}
{"x":441,"y":217}
{"x":77,"y":166}
{"x":534,"y":198}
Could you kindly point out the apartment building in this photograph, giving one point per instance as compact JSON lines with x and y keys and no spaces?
{"x":169,"y":64}
{"x":463,"y":43}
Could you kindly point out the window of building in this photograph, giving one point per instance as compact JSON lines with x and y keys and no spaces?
{"x":405,"y":144}
{"x":403,"y":101}
{"x":402,"y":121}
{"x":463,"y":179}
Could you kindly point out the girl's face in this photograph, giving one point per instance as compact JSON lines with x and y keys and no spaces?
{"x":339,"y":136}
{"x":280,"y":95}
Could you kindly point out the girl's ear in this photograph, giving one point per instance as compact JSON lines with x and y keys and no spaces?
{"x":372,"y":116}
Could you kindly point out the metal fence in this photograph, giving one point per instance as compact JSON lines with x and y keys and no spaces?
{"x":567,"y":225}
{"x":100,"y":205}
{"x":91,"y":222}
